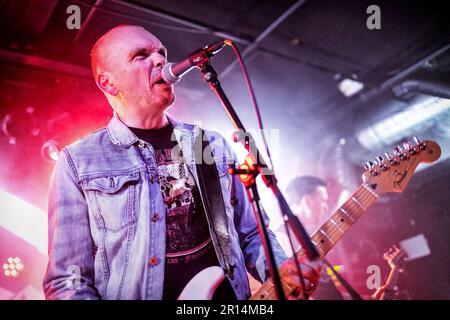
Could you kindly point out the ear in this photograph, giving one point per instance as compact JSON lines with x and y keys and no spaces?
{"x":105,"y":84}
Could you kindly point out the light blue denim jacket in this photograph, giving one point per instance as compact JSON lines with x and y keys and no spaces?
{"x":107,"y":228}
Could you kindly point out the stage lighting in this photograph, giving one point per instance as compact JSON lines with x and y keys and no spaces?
{"x":349,"y":87}
{"x":6,"y":120}
{"x":50,"y":151}
{"x":417,"y":118}
{"x":19,"y":124}
{"x":13,"y":267}
{"x":336,"y":268}
{"x":34,"y":231}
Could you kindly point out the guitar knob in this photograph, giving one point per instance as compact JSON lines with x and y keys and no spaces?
{"x":380,"y":159}
{"x":416,"y":140}
{"x":387,"y":155}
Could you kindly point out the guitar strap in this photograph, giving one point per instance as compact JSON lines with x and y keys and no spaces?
{"x":213,"y":202}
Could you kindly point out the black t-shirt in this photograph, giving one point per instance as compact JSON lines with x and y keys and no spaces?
{"x":189,"y":248}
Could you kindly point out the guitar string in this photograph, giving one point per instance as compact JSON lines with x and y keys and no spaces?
{"x":269,"y":291}
{"x":271,"y":288}
{"x":365,"y":197}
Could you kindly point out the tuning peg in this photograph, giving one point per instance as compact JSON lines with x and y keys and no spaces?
{"x":421,"y":144}
{"x":368,"y":165}
{"x":381,"y":162}
{"x":391,"y":159}
{"x":406,"y":145}
{"x":397,"y":150}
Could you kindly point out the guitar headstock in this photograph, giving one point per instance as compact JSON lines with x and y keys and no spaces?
{"x":395,"y":257}
{"x":393,"y":172}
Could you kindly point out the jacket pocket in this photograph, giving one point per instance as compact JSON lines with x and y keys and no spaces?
{"x":114,"y":200}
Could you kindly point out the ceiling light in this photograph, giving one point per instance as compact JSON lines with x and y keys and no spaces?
{"x":418,"y":117}
{"x":50,"y":151}
{"x":349,"y":87}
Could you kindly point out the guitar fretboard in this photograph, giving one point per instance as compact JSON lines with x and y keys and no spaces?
{"x":328,"y":234}
{"x":332,"y":231}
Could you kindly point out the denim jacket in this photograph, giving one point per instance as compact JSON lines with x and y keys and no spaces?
{"x":107,"y":227}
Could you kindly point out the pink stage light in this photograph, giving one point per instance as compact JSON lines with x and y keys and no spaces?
{"x":13,"y":267}
{"x":24,"y":220}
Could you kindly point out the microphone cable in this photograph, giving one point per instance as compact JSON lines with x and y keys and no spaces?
{"x":260,"y":126}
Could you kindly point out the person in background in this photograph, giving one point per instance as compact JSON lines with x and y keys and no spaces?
{"x":309,"y":200}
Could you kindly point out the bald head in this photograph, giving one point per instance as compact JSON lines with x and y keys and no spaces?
{"x":104,"y":49}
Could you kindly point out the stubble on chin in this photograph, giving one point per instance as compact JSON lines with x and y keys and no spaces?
{"x":161,"y":103}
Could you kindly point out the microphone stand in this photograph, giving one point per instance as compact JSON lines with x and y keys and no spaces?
{"x":248,"y":172}
{"x":353,"y":293}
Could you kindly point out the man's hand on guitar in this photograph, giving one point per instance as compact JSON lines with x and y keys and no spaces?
{"x":311,"y":271}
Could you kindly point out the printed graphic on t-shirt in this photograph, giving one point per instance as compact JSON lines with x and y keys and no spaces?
{"x":187,"y":228}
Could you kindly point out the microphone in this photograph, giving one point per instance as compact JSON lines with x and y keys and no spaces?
{"x":173,"y":72}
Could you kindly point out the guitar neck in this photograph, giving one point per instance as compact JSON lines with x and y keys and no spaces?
{"x":392,"y":279}
{"x":342,"y":219}
{"x":390,"y":175}
{"x":329,"y":233}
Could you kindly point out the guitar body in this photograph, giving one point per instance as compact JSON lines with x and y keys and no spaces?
{"x":203,"y":285}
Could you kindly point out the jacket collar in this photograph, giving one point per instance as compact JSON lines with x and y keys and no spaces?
{"x":121,"y":135}
{"x":185,"y":135}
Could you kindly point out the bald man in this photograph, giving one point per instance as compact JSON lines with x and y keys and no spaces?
{"x":134,"y":212}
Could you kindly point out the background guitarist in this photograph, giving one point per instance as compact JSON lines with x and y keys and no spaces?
{"x":396,"y":258}
{"x":309,"y":200}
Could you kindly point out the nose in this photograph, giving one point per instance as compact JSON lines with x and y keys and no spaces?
{"x":158,"y":60}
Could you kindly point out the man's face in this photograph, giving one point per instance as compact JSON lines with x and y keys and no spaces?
{"x":134,"y":58}
{"x":317,"y":203}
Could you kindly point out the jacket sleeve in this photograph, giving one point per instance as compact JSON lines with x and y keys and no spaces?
{"x":247,"y":229}
{"x":70,"y":269}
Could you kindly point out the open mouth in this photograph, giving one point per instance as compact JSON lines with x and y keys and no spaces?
{"x":160,"y":81}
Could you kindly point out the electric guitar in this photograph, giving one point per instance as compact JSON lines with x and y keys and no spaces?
{"x":396,"y":258}
{"x":385,"y":175}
